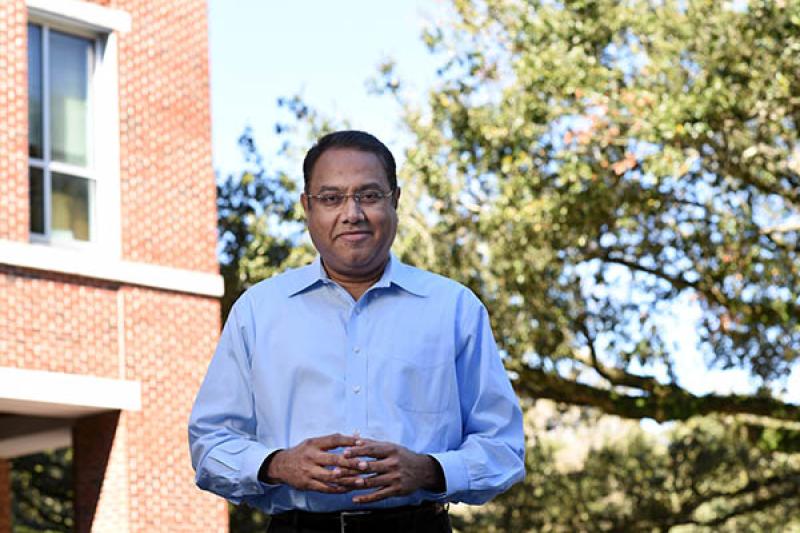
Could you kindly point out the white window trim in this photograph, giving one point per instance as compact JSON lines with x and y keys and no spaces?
{"x":103,"y":24}
{"x":78,"y":263}
{"x":89,"y":15}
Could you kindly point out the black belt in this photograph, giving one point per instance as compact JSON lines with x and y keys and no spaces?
{"x":404,"y":518}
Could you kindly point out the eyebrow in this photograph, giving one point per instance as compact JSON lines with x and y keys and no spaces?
{"x":366,"y":186}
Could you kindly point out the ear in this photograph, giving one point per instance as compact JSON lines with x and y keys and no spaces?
{"x":304,"y":201}
{"x":396,"y":197}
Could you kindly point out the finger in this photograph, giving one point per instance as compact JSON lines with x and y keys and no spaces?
{"x":374,"y":449}
{"x":337,"y":460}
{"x":328,"y":475}
{"x":337,"y":440}
{"x":378,"y":495}
{"x":335,"y":475}
{"x":348,"y":472}
{"x":342,"y":476}
{"x":377,"y":481}
{"x":353,"y":482}
{"x":327,"y":488}
{"x":380,"y":466}
{"x":359,"y":463}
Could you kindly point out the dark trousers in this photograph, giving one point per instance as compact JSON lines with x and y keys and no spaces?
{"x":418,"y":523}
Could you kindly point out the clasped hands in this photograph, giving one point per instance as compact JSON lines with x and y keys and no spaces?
{"x":391,"y":470}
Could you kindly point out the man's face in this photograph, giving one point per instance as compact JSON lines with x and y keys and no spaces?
{"x":353,"y":239}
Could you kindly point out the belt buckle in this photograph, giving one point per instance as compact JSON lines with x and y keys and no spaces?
{"x":344,"y":515}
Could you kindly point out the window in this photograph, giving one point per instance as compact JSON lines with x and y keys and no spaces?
{"x":74,"y":169}
{"x":62,"y":176}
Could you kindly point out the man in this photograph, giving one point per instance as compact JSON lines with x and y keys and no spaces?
{"x":356,"y":392}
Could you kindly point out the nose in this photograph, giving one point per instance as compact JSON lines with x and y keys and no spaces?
{"x":353,"y":212}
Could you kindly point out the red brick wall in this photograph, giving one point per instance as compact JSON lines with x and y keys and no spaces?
{"x":66,"y":324}
{"x":168,"y":195}
{"x":58,"y":323}
{"x":169,"y":340}
{"x":13,"y":121}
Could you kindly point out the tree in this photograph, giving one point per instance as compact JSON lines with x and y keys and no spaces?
{"x":706,"y":477}
{"x":560,"y":165}
{"x":591,"y":167}
{"x":43,"y":494}
{"x":257,"y":215}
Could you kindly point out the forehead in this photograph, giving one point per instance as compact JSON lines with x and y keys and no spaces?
{"x":348,"y":168}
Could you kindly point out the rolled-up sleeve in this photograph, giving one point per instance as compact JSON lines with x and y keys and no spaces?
{"x":491,"y":456}
{"x":222,"y":427}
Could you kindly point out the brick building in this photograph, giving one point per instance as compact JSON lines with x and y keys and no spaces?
{"x":109,"y":285}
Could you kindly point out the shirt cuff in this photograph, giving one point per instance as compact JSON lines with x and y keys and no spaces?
{"x":263,"y":470}
{"x":455,"y":472}
{"x":252,"y":460}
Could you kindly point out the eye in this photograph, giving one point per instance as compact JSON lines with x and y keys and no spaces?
{"x":331,"y":199}
{"x":371,"y":197}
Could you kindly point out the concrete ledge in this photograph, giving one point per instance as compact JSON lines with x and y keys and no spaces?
{"x":56,"y":394}
{"x":97,"y":266}
{"x":86,"y":14}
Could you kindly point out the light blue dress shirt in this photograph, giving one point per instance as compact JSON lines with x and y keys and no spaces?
{"x":413,"y":361}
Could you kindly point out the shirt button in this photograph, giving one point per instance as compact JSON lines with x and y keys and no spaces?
{"x":357,"y":349}
{"x":356,"y":389}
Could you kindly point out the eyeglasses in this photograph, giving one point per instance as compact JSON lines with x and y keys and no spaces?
{"x":365,"y":198}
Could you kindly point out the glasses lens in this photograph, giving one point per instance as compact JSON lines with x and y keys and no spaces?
{"x":362,"y":198}
{"x":331,"y":200}
{"x":370,"y":197}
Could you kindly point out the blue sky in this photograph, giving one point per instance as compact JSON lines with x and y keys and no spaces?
{"x":326,"y":50}
{"x":265,"y":49}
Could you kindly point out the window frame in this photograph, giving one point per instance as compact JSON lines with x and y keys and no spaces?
{"x":46,"y":164}
{"x":101,"y":25}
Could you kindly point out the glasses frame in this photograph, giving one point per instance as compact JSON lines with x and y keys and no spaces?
{"x":356,"y":196}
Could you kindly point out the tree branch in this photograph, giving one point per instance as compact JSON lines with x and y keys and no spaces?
{"x":670,"y":403}
{"x":685,"y":515}
{"x":678,"y":282}
{"x":617,"y":376}
{"x":757,"y":505}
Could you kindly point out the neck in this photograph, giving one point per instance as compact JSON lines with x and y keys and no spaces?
{"x":357,"y":284}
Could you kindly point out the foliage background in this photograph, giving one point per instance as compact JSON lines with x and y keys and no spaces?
{"x":43,"y":492}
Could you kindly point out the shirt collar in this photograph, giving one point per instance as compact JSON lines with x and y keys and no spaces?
{"x":303,"y":278}
{"x":395,"y":273}
{"x":404,"y":276}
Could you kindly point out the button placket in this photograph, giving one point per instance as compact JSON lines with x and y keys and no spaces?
{"x":356,"y":372}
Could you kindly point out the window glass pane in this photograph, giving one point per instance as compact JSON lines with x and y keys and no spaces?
{"x":70,"y":207}
{"x":69,"y":64}
{"x":35,"y":134}
{"x":36,"y":180}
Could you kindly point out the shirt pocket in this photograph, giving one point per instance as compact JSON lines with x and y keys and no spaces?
{"x":420,"y":387}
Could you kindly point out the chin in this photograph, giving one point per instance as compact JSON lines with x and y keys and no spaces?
{"x":358,"y":263}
